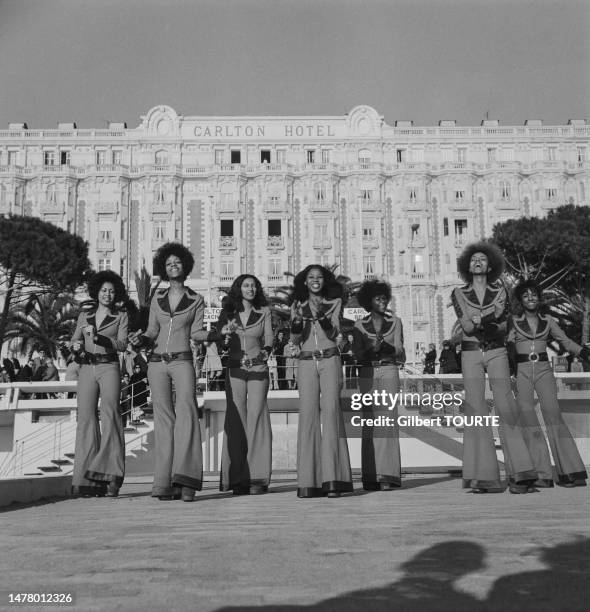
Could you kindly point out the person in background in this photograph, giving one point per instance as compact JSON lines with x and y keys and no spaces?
{"x":430,"y":360}
{"x":125,"y":401}
{"x":448,"y":360}
{"x":290,"y":353}
{"x":139,"y":392}
{"x":272,"y":371}
{"x":278,"y":349}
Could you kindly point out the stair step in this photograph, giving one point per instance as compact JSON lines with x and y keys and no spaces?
{"x":61,"y":462}
{"x":49,"y":468}
{"x":69,"y":455}
{"x":130,"y":430}
{"x":33,"y":474}
{"x":139,"y":424}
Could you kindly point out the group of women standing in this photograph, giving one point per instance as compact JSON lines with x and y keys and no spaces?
{"x":323,"y":463}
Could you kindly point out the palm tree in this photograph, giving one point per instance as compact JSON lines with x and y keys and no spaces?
{"x":145,"y":293}
{"x":44,"y":321}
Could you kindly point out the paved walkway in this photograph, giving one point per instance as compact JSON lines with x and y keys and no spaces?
{"x":429,"y":546}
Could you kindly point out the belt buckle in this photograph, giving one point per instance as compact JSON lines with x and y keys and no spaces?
{"x":166,"y":357}
{"x":533,"y":356}
{"x":318,"y":354}
{"x":246,"y":362}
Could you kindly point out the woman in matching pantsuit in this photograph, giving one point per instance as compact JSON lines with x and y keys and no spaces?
{"x":481,"y":307}
{"x":176,"y":317}
{"x":529,"y":335}
{"x":247,"y":441}
{"x":377,"y":347}
{"x":99,"y":460}
{"x":323,"y":463}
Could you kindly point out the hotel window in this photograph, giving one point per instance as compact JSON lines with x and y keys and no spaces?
{"x":460,"y":195}
{"x":265,"y":156}
{"x":581,"y":152}
{"x":461,"y":155}
{"x":369,"y":266}
{"x":552,"y":153}
{"x":364,"y":156}
{"x":413,"y":194}
{"x":117,"y":157}
{"x":105,"y":235}
{"x":460,"y":230}
{"x":122,"y":267}
{"x":281,"y":156}
{"x":227,"y":269}
{"x":105,"y":264}
{"x":491,"y":155}
{"x":320,"y":232}
{"x":551,"y":193}
{"x":218,"y":157}
{"x":124,"y":229}
{"x":159,"y":228}
{"x":582,"y":191}
{"x":235,"y":156}
{"x":368,"y":232}
{"x":417,"y":264}
{"x":64,"y":158}
{"x":49,"y":158}
{"x":320,"y":193}
{"x":310,"y":156}
{"x":505,"y":190}
{"x":325,"y":156}
{"x":274,"y":227}
{"x":274,"y":201}
{"x":274,"y":267}
{"x":417,"y":304}
{"x":445,"y":226}
{"x":101,"y":158}
{"x":161,"y":158}
{"x":366,"y":196}
{"x":226,"y":227}
{"x":12,"y":158}
{"x":400,"y":155}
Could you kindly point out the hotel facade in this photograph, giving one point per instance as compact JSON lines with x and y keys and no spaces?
{"x":268,"y":194}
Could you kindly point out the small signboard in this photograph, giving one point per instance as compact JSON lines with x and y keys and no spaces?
{"x":212,"y":315}
{"x":560,"y":363}
{"x":354,"y":313}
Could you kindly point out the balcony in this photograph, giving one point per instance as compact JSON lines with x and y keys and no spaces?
{"x":418,"y":275}
{"x":227,"y":242}
{"x":370,"y":204}
{"x":275,"y":279}
{"x":321,"y":205}
{"x":460,"y":241}
{"x":105,"y":246}
{"x":370,"y":242}
{"x":275,"y":242}
{"x":226,"y":278}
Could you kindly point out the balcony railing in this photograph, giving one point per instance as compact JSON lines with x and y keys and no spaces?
{"x":322,"y":243}
{"x":105,"y":245}
{"x":227,"y":242}
{"x":275,"y":242}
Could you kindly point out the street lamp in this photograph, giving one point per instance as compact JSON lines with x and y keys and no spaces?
{"x":414,"y":227}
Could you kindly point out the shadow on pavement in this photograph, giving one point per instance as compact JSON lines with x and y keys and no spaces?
{"x":428,"y":585}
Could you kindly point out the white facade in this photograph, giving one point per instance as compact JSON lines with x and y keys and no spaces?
{"x":269,"y":194}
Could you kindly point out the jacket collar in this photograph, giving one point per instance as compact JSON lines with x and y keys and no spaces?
{"x":369,"y":327}
{"x":253,"y":318}
{"x":91,"y":319}
{"x":490,"y":295}
{"x":522,"y":325}
{"x":186,"y":302}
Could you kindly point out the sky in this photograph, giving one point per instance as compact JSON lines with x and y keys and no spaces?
{"x":423,"y":60}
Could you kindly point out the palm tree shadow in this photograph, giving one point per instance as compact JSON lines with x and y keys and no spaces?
{"x":428,"y":585}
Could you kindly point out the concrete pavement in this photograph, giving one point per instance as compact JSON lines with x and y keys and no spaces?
{"x":428,"y":546}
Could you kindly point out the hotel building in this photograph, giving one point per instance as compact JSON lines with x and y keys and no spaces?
{"x":269,"y":194}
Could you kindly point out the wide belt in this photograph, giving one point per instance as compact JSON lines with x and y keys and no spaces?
{"x":168,"y":357}
{"x":470,"y":345}
{"x":524,"y":357}
{"x":92,"y":358}
{"x":320,"y":353}
{"x":247,"y":362}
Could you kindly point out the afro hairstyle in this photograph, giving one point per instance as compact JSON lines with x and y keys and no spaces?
{"x":98,"y":279}
{"x":177,"y":249}
{"x":370,"y":289}
{"x":332,"y":288}
{"x":525,"y":285}
{"x":491,"y":251}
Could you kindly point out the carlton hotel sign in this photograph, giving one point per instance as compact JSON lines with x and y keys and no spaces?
{"x":266,"y":130}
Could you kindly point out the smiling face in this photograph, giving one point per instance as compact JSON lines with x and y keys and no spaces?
{"x":174,"y":269}
{"x":379,"y":304}
{"x":530,"y":300}
{"x":479,"y":263}
{"x":106,"y":294}
{"x":248,"y":289}
{"x":314,"y":281}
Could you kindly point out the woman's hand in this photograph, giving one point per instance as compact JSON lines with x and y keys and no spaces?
{"x":135,"y":338}
{"x":476,"y":320}
{"x":229,"y":328}
{"x":76,"y":347}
